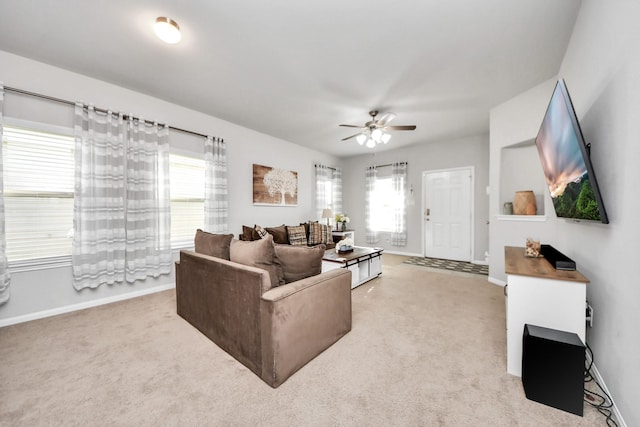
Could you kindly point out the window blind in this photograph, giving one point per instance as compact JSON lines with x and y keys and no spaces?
{"x":187,"y":198}
{"x":38,"y":193}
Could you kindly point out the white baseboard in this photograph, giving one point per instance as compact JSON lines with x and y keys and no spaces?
{"x":83,"y":305}
{"x":614,"y":409}
{"x":400,"y":253}
{"x":497,"y":281}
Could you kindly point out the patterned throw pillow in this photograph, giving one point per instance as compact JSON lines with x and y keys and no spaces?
{"x":261,"y":232}
{"x":319,"y":233}
{"x":297,"y":235}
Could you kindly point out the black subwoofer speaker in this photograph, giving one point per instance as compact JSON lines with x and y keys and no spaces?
{"x":553,"y":368}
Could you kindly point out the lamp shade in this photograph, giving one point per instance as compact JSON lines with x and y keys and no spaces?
{"x":327,"y":213}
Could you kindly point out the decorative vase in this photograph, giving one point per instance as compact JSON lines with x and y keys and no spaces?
{"x":524,"y":203}
{"x":344,"y":226}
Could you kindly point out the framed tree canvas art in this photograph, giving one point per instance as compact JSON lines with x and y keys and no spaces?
{"x":274,"y":186}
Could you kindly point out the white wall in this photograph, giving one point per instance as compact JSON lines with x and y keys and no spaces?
{"x":470,"y":151}
{"x":514,"y":123}
{"x":51,"y":290}
{"x":601,"y":69}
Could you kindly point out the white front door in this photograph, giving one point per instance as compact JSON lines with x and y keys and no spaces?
{"x":447,"y":212}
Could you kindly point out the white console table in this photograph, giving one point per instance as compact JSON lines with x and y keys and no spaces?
{"x":538,"y":294}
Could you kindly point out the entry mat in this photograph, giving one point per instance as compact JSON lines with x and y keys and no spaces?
{"x":447,"y":264}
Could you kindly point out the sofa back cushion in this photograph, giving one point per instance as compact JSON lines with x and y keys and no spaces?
{"x":279,"y":234}
{"x":299,"y":262}
{"x":249,"y":233}
{"x":258,"y":253}
{"x":216,"y":245}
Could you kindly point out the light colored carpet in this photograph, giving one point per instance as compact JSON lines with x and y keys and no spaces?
{"x":426,"y":349}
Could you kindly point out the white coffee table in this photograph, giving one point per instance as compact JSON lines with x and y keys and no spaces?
{"x":365,"y":263}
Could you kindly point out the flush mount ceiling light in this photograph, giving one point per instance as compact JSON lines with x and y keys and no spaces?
{"x":167,"y":30}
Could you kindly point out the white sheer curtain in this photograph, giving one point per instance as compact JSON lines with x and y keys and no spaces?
{"x":323,"y":198}
{"x":5,"y":279}
{"x":337,"y":191}
{"x":328,"y":190}
{"x":370,"y":177}
{"x":148,"y":219}
{"x":216,"y":198}
{"x":98,"y":250}
{"x":121,"y":200}
{"x":399,"y":185}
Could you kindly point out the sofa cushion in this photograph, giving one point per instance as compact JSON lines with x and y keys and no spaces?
{"x":216,"y":245}
{"x":299,"y":262}
{"x":297,"y":235}
{"x":279,"y":234}
{"x":260,"y":254}
{"x":319,"y":233}
{"x":249,"y":233}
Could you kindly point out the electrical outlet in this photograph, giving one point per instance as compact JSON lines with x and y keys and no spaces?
{"x":589,"y":314}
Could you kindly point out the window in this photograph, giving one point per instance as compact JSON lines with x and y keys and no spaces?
{"x":38,"y":192}
{"x":328,"y":193}
{"x":384,"y":202}
{"x":187,"y":198}
{"x":39,"y":179}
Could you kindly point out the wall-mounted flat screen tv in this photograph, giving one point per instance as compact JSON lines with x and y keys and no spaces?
{"x":566,"y":163}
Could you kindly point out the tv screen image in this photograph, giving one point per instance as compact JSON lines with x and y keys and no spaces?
{"x":566,"y":163}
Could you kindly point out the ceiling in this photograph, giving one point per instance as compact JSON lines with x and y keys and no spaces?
{"x":295,"y":70}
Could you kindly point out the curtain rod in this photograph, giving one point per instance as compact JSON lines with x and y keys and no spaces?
{"x":102,"y":110}
{"x":388,"y":164}
{"x":328,"y":167}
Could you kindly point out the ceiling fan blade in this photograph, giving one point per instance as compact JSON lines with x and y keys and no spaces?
{"x":352,"y":126}
{"x":352,"y":136}
{"x":400,"y":127}
{"x":385,"y":118}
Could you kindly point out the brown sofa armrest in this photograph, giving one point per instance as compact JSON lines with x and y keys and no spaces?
{"x":222,"y":300}
{"x":302,"y":319}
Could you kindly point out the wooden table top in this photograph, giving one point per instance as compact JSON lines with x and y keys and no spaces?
{"x":358,"y":252}
{"x":515,"y":262}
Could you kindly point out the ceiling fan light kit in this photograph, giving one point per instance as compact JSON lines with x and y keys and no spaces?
{"x":375,"y":131}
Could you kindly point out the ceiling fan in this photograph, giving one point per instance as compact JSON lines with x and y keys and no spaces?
{"x":375,"y":131}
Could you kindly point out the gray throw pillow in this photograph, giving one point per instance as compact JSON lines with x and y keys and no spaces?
{"x":260,"y":254}
{"x":216,"y":245}
{"x":299,"y":262}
